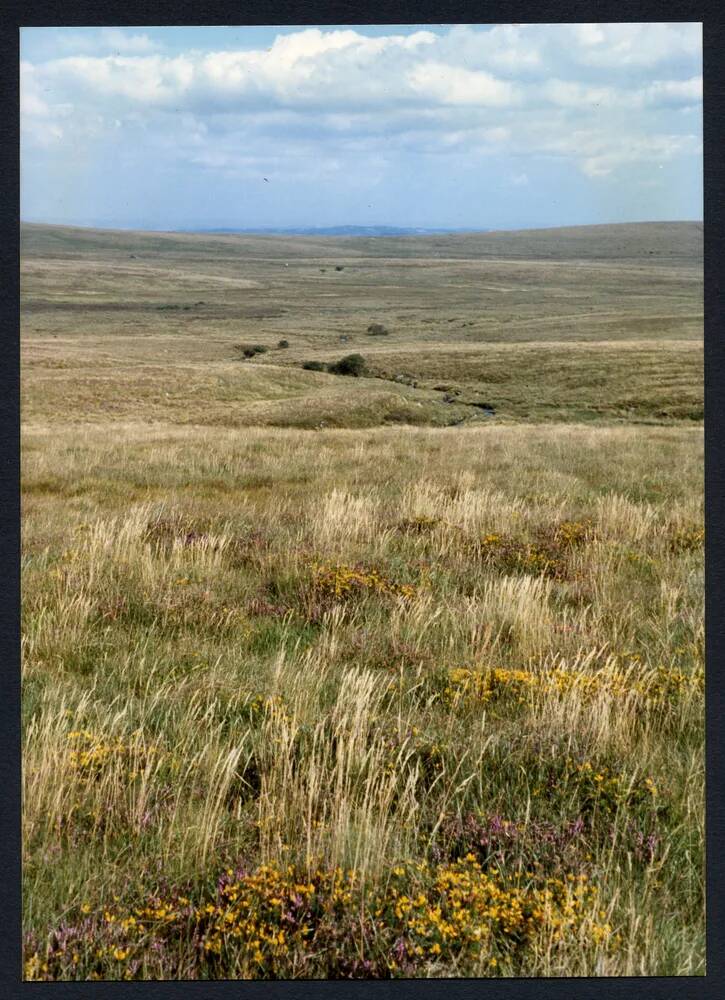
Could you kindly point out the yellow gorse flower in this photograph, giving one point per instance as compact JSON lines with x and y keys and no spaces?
{"x":653,"y":688}
{"x":91,"y":753}
{"x":447,"y":912}
{"x":340,"y":582}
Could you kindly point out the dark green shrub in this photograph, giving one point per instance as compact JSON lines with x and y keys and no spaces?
{"x":314,"y":366}
{"x":249,"y":352}
{"x":351,"y":364}
{"x":378,"y":330}
{"x":283,"y":343}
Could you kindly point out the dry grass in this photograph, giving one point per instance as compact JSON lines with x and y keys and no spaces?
{"x":233,"y":717}
{"x":425,"y":701}
{"x":148,"y":327}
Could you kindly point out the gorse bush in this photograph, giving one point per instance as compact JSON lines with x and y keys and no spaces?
{"x":282,"y":922}
{"x":351,"y":364}
{"x":342,"y":582}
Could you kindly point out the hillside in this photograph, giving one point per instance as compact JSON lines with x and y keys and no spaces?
{"x":586,"y":324}
{"x":665,"y":241}
{"x":391,"y":676}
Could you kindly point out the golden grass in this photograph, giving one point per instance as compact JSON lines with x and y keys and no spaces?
{"x":396,"y":694}
{"x":320,"y":734}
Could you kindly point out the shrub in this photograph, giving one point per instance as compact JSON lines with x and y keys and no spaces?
{"x":314,"y":366}
{"x":340,"y":582}
{"x":249,"y":352}
{"x":283,"y":343}
{"x":351,"y":364}
{"x":378,"y":330}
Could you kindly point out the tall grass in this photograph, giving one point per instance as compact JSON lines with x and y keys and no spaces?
{"x":502,"y":685}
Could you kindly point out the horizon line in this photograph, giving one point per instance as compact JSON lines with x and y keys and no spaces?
{"x":295,"y":229}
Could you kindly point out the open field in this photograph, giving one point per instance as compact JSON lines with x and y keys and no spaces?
{"x":149,"y":326}
{"x":354,"y":677}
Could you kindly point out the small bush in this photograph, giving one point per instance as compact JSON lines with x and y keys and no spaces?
{"x":351,"y":364}
{"x":378,"y":330}
{"x":314,"y":366}
{"x":282,"y":343}
{"x":249,"y":352}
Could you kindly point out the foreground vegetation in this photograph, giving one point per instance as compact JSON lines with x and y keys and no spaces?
{"x":357,"y":704}
{"x":368,"y":701}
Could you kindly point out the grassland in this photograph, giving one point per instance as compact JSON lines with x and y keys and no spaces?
{"x":140,"y":326}
{"x":310,"y":695}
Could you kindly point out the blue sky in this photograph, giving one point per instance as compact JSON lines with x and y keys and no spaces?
{"x":458,"y":126}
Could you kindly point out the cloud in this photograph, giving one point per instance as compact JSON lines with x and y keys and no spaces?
{"x":633,"y":46}
{"x":567,"y":94}
{"x":601,"y":96}
{"x":105,"y":40}
{"x":114,"y":39}
{"x":673,"y":92}
{"x":589,"y":34}
{"x":447,"y":84}
{"x":600,"y":159}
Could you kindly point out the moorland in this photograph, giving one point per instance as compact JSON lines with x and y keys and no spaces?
{"x":393,"y":673}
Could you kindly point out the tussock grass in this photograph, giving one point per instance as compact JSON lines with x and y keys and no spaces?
{"x":194,"y":704}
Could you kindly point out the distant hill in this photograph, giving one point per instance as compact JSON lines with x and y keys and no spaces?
{"x":336,"y":231}
{"x":650,"y":242}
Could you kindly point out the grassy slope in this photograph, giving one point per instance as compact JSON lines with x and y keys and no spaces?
{"x":241,"y":705}
{"x":631,"y":241}
{"x":115,"y":324}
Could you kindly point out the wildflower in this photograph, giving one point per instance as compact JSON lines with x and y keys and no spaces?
{"x":341,"y":582}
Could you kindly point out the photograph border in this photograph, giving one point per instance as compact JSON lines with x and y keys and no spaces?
{"x":135,"y":13}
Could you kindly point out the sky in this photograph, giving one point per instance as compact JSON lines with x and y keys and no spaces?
{"x":431,"y":126}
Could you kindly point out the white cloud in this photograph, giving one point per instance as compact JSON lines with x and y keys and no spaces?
{"x":454,"y":85}
{"x":630,"y":45}
{"x":34,"y":106}
{"x":600,"y":95}
{"x":114,"y":39}
{"x":598,"y":158}
{"x":104,"y":40}
{"x":136,"y":79}
{"x":589,"y":34}
{"x":674,"y":91}
{"x":496,"y":135}
{"x":567,"y":94}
